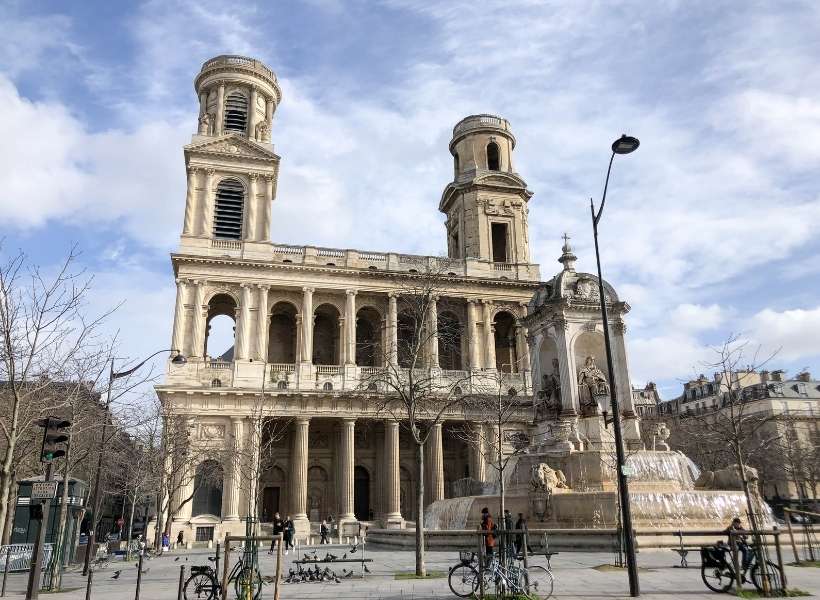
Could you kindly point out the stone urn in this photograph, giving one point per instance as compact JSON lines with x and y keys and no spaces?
{"x":561,"y":432}
{"x":540,"y":504}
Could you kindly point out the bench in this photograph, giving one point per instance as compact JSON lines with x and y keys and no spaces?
{"x":682,"y":551}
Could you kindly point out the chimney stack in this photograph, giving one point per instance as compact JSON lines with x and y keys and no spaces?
{"x":804,"y":376}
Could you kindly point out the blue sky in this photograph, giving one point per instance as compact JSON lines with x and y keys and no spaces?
{"x":710,"y":228}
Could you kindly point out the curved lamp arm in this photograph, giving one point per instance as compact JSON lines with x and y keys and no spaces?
{"x":118,"y":374}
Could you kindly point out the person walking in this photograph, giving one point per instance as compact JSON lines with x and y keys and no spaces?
{"x":166,"y":542}
{"x":288,"y":531}
{"x":180,"y":539}
{"x":324,"y":530}
{"x":520,"y":524}
{"x":488,"y":526}
{"x":277,"y":529}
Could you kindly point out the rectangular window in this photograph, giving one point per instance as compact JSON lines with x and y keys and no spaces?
{"x":204,"y":534}
{"x":499,"y":240}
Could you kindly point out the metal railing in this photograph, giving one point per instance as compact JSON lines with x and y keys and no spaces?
{"x":19,"y":556}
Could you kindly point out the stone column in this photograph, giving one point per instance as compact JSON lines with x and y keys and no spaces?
{"x":198,"y":317}
{"x":432,"y":323}
{"x":478,"y":463}
{"x":307,"y":324}
{"x":178,"y":338}
{"x":521,"y":349}
{"x":206,"y":205}
{"x":436,"y":464}
{"x":235,"y":472}
{"x":190,"y":203}
{"x":298,"y":470}
{"x":243,"y":324}
{"x":346,"y":466}
{"x":392,"y":479}
{"x":220,"y":108}
{"x":203,"y":102}
{"x":472,"y":334}
{"x":566,"y":370}
{"x":264,"y":235}
{"x":489,"y":336}
{"x":392,"y":330}
{"x":251,"y":225}
{"x":261,"y":346}
{"x":253,"y":441}
{"x":350,"y":328}
{"x":631,"y":423}
{"x":187,"y":473}
{"x":252,"y":113}
{"x":268,"y":118}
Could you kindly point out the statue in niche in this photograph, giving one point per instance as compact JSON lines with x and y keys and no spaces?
{"x":549,"y":406}
{"x":263,"y":131}
{"x":592,"y":384}
{"x":204,"y":124}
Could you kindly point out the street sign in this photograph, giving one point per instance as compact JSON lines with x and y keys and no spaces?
{"x":43,"y":490}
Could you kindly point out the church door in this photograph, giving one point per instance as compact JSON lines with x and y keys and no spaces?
{"x":270,"y":503}
{"x":361,"y":494}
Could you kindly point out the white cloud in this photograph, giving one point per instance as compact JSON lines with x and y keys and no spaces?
{"x":695,"y":317}
{"x":796,"y":332}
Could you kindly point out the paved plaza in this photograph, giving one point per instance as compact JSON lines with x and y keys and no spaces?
{"x":576,"y":576}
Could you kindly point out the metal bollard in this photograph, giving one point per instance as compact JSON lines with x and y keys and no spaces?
{"x":181,"y":582}
{"x":88,"y":585}
{"x":6,"y":572}
{"x":139,"y":578}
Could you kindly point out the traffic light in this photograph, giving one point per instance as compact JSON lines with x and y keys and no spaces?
{"x":54,"y":437}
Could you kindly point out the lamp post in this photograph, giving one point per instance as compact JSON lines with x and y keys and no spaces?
{"x":113,"y":375}
{"x":623,"y":145}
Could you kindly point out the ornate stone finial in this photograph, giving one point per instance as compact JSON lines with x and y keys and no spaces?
{"x":567,"y":257}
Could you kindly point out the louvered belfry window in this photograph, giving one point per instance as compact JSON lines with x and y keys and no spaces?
{"x":228,"y":210}
{"x":236,"y":112}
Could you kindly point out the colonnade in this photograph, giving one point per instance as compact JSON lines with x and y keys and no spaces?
{"x":253,"y":320}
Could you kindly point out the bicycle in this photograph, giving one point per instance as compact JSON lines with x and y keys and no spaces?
{"x":533,"y":582}
{"x":204,"y":582}
{"x":719,"y":575}
{"x":102,"y":558}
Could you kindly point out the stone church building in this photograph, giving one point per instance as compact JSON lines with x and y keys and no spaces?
{"x":312,"y":323}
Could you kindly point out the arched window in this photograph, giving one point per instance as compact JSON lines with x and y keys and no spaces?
{"x":493,"y":158}
{"x":282,"y":385}
{"x":236,"y":112}
{"x":328,"y":387}
{"x":506,"y":359}
{"x":207,"y":498}
{"x":368,"y":347}
{"x":215,"y":383}
{"x":230,"y":197}
{"x":282,"y":334}
{"x":455,"y":164}
{"x":220,"y":328}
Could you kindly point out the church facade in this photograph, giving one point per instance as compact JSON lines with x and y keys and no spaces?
{"x":306,"y":316}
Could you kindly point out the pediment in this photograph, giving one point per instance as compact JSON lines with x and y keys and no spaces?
{"x":499,"y":178}
{"x":231,"y":145}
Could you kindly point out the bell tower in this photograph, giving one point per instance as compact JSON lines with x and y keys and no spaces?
{"x":232,"y":168}
{"x":486,"y":203}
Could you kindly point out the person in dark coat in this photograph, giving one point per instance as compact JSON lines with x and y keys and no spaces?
{"x":521,"y":523}
{"x":277,"y":529}
{"x":288,"y":531}
{"x":324,"y":531}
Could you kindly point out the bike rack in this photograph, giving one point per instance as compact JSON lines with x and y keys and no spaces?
{"x":262,"y":538}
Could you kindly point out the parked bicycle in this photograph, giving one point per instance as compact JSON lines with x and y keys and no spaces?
{"x":719,"y":575}
{"x":533,"y":582}
{"x":203,"y":584}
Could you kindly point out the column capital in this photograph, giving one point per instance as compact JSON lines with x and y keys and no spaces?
{"x":236,"y":419}
{"x":619,"y":327}
{"x":253,"y":175}
{"x":210,"y":171}
{"x":473,"y":300}
{"x":263,"y":286}
{"x":350,"y":292}
{"x":269,"y":177}
{"x":221,"y":83}
{"x":303,"y":421}
{"x":348,"y":420}
{"x":487,"y":302}
{"x":308,"y":290}
{"x":192,"y":170}
{"x":392,"y":295}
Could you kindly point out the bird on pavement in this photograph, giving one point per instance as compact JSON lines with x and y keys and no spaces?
{"x":354,"y":548}
{"x":366,"y":570}
{"x":350,"y":574}
{"x":345,"y":556}
{"x":145,"y":572}
{"x":116,"y":574}
{"x":177,"y":558}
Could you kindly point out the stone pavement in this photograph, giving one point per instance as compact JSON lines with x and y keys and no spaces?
{"x":575,"y":577}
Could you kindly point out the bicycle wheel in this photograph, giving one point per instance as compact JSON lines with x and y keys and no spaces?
{"x":718,"y":579}
{"x":536,"y":581}
{"x":251,"y":577}
{"x":463,"y":580}
{"x":200,"y":586}
{"x":773,"y":577}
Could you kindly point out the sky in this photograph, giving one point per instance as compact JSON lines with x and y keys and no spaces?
{"x":710,"y":228}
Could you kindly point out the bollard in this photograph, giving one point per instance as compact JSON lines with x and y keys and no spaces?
{"x":526,"y":542}
{"x":780,"y":559}
{"x":88,"y":585}
{"x":139,"y":578}
{"x":181,"y":582}
{"x":736,"y":562}
{"x":278,"y":581}
{"x":6,"y":572}
{"x":481,"y":545}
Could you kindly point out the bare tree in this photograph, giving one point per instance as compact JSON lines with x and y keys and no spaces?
{"x":43,"y":328}
{"x":412,"y":392}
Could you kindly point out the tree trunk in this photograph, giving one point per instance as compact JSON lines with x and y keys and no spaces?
{"x":6,"y":482}
{"x":131,"y":526}
{"x":420,"y":568}
{"x":758,"y":539}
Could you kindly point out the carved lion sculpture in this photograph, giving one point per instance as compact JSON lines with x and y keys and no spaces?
{"x":546,"y":478}
{"x":727,"y":479}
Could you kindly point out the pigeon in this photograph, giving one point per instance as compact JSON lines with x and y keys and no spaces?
{"x":307,"y":557}
{"x":332,"y":556}
{"x":350,"y":574}
{"x":177,"y":558}
{"x":336,"y":579}
{"x":345,"y":556}
{"x":354,"y":548}
{"x":366,"y":570}
{"x":116,"y":574}
{"x":145,"y":572}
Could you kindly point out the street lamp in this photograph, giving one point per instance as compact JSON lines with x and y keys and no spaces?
{"x":113,"y":375}
{"x":623,"y":145}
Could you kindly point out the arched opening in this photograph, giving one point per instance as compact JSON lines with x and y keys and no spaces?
{"x":230,"y":200}
{"x":455,"y":165}
{"x":317,"y":493}
{"x":407,"y":336}
{"x":326,"y":335}
{"x":361,"y":493}
{"x":220,"y":327}
{"x":493,"y":157}
{"x":207,"y":499}
{"x":449,"y":341}
{"x":506,"y":359}
{"x":282,"y":334}
{"x":236,"y":112}
{"x":589,"y":353}
{"x":368,"y":334}
{"x":273,"y":484}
